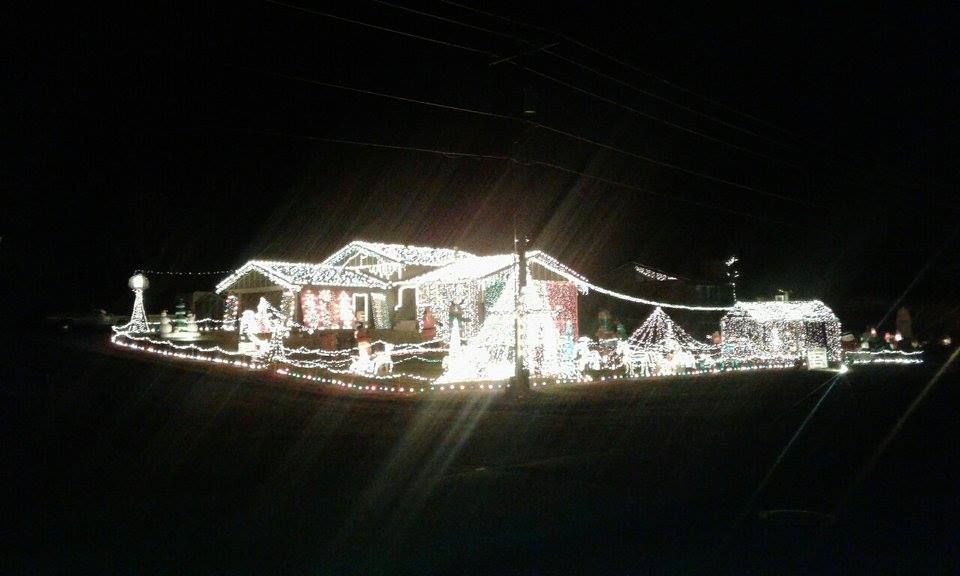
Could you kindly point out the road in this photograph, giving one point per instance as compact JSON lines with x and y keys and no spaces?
{"x":116,"y":463}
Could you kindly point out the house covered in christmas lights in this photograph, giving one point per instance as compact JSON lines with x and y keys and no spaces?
{"x":470,"y":288}
{"x":354,"y":284}
{"x":393,"y":286}
{"x":324,"y":297}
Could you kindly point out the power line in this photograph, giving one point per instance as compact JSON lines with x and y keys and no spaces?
{"x":564,"y":133}
{"x":378,"y":27}
{"x":674,"y":166}
{"x":530,"y":163}
{"x":654,"y":95}
{"x":536,"y":72}
{"x":546,"y":76}
{"x":379,"y":94}
{"x":578,"y":64}
{"x":613,"y":102}
{"x":547,"y":50}
{"x":571,"y":61}
{"x":676,"y":86}
{"x":618,"y":61}
{"x":444,"y":19}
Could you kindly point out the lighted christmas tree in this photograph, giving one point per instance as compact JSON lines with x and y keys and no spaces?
{"x":180,"y":318}
{"x":231,"y":311}
{"x":324,"y":304}
{"x":311,"y":310}
{"x":489,"y":354}
{"x":346,"y":310}
{"x":659,"y":332}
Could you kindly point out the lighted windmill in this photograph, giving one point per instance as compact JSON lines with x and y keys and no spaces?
{"x":138,"y":318}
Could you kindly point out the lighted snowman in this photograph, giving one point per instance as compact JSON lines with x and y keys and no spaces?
{"x":191,"y":328}
{"x":166,"y":327}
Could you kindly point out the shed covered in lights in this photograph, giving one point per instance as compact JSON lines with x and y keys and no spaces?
{"x":780,"y":330}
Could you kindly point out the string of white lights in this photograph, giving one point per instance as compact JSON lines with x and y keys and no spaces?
{"x":353,"y":386}
{"x":398,"y":349}
{"x":118,"y":340}
{"x":179,"y":346}
{"x":883,"y":357}
{"x":385,"y":377}
{"x":637,"y":300}
{"x":172,"y":350}
{"x":659,"y":348}
{"x":886,"y":352}
{"x":183,"y":273}
{"x":325,"y":363}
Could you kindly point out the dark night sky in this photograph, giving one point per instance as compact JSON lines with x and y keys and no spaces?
{"x":168,"y":139}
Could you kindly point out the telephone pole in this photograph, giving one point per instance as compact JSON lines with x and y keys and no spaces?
{"x":520,"y":383}
{"x":521,"y":377}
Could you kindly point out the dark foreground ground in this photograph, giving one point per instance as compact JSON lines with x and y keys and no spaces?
{"x":117,"y":464}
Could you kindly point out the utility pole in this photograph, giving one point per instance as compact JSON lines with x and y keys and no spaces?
{"x":521,"y":377}
{"x":520,"y":383}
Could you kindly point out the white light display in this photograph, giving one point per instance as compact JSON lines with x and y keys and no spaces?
{"x":473,"y":299}
{"x":231,"y":311}
{"x":660,"y":346}
{"x":636,"y":300}
{"x":397,"y":254}
{"x":310,"y":306}
{"x":346,"y":311}
{"x":489,"y":353}
{"x":319,"y":310}
{"x":779,"y":330}
{"x":659,"y":332}
{"x":497,"y":356}
{"x":439,"y":296}
{"x":380,"y":311}
{"x":883,"y":357}
{"x":383,"y":360}
{"x":138,"y":317}
{"x":732,"y":274}
{"x":562,"y":297}
{"x":541,"y":346}
{"x":652,"y":274}
{"x":468,"y":282}
{"x":293,"y":275}
{"x":249,"y":340}
{"x":458,"y":365}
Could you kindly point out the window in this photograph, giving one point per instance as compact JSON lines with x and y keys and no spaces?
{"x":362,"y":306}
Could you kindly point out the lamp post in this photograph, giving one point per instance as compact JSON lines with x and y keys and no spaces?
{"x":138,"y":318}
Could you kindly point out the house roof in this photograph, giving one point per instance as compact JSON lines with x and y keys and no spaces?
{"x":790,"y":311}
{"x":651,"y":273}
{"x":296,"y":274}
{"x":400,"y":253}
{"x":482,"y":266}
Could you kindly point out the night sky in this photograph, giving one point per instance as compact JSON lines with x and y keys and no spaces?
{"x":817,"y":142}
